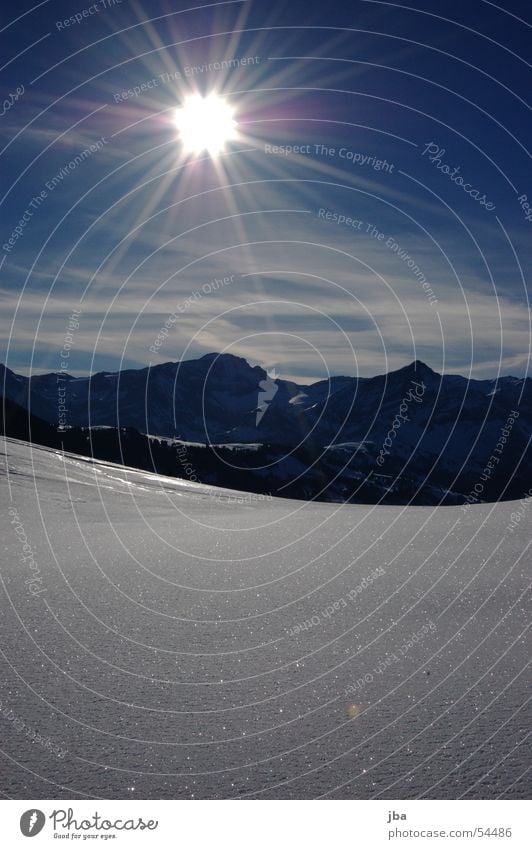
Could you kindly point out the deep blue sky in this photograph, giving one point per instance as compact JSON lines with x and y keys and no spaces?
{"x":130,"y":233}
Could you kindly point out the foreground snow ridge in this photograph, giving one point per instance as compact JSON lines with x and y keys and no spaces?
{"x":166,"y":639}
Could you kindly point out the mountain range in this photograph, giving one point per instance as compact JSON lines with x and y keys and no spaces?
{"x":409,"y":435}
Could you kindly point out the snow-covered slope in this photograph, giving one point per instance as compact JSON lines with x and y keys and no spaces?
{"x":169,"y":640}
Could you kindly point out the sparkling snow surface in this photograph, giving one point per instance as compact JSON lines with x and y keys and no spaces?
{"x":189,"y":642}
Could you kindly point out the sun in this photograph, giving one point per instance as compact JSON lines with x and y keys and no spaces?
{"x":206,"y":123}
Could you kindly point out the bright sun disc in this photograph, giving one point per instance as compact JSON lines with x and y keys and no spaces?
{"x":205,"y":123}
